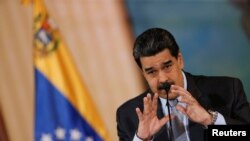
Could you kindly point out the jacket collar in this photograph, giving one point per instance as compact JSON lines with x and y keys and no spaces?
{"x":195,"y":91}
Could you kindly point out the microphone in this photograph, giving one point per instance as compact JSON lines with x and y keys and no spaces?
{"x":166,"y":86}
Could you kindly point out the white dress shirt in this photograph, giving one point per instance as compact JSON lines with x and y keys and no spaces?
{"x":219,"y":121}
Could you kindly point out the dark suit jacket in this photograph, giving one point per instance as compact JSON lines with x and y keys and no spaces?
{"x":223,"y":94}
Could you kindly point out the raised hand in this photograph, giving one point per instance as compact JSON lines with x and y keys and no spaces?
{"x":193,"y":110}
{"x":149,"y":124}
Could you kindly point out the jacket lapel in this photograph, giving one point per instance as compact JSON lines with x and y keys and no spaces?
{"x":162,"y":134}
{"x":196,"y":130}
{"x":195,"y":92}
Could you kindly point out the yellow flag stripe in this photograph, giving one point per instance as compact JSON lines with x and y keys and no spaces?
{"x":58,"y":67}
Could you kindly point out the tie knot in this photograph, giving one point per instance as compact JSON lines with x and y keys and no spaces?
{"x":173,"y":103}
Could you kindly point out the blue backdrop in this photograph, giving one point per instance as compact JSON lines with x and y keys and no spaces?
{"x":209,"y":33}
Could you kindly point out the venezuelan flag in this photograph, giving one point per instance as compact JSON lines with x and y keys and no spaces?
{"x":63,"y":108}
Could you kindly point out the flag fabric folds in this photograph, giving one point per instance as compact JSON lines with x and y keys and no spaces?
{"x":63,"y":108}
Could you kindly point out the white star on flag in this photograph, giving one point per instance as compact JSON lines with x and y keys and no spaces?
{"x":46,"y":137}
{"x":60,"y":133}
{"x":75,"y":135}
{"x":89,"y":139}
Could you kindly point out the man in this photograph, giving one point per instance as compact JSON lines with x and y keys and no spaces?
{"x":196,"y":101}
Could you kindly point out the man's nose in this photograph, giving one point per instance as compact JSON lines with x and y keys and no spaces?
{"x":162,"y":77}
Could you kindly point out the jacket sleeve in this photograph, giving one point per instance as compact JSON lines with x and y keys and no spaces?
{"x":240,"y":113}
{"x":125,"y":127}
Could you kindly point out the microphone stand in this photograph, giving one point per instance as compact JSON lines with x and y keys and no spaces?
{"x":166,"y":87}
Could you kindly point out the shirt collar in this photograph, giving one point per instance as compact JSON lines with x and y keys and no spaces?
{"x":184,"y":80}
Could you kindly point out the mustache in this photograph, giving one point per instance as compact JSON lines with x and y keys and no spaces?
{"x":165,"y":85}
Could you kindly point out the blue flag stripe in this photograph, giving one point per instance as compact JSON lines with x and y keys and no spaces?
{"x":53,"y":110}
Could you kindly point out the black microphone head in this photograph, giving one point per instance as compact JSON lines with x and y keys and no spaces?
{"x":164,"y":86}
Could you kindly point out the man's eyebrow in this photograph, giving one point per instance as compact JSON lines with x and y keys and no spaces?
{"x":167,"y":62}
{"x":148,"y":69}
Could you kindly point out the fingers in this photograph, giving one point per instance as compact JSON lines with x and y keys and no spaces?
{"x":154,"y":103}
{"x":150,"y":106}
{"x":187,"y":99}
{"x":181,"y":109}
{"x":179,"y":90}
{"x":147,"y":104}
{"x":165,"y":119}
{"x":184,"y":95}
{"x":139,"y":113}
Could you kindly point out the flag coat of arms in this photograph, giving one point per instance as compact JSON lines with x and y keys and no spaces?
{"x":64,"y":110}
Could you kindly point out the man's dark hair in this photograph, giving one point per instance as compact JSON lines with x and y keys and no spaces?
{"x":152,"y":42}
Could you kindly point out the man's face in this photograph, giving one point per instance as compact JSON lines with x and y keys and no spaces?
{"x":161,"y":68}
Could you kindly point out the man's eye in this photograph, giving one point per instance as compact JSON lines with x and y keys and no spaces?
{"x":167,"y":66}
{"x":151,"y":72}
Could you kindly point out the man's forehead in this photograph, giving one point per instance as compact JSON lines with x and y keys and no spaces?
{"x":156,"y":64}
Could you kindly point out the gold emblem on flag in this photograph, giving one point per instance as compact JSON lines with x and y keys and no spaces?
{"x":45,"y":38}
